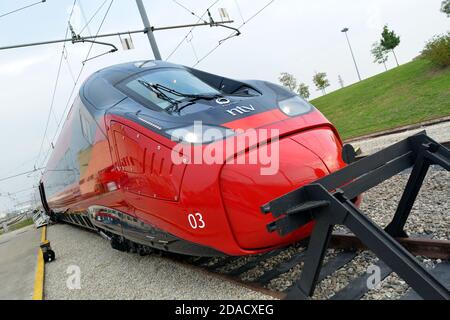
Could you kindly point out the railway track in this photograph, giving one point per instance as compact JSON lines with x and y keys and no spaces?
{"x":362,"y":156}
{"x":345,"y":249}
{"x":263,"y":273}
{"x":349,"y":271}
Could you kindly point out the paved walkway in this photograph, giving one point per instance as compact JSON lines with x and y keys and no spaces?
{"x":18,"y":257}
{"x":439,"y":132}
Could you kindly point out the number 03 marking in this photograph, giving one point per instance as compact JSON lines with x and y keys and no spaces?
{"x":196,"y":221}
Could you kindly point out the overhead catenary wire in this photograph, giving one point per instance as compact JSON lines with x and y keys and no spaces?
{"x":20,"y":174}
{"x":192,"y":46}
{"x":23,"y":190}
{"x":256,"y":14}
{"x":81,"y":71}
{"x":200,"y":18}
{"x":76,"y":82}
{"x":233,"y":33}
{"x":1,"y":16}
{"x":86,"y":26}
{"x":72,"y":75}
{"x":129,"y":32}
{"x":239,"y":10}
{"x":22,"y":8}
{"x":77,"y":79}
{"x":55,"y":86}
{"x":31,"y":160}
{"x":14,"y":193}
{"x":190,"y":31}
{"x":83,"y":14}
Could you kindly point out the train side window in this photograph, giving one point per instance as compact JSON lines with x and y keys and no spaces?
{"x":86,"y":129}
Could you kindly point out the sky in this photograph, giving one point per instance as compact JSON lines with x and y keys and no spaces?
{"x":296,"y":36}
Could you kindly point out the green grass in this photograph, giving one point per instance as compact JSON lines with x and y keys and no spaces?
{"x":409,"y":94}
{"x":19,"y":225}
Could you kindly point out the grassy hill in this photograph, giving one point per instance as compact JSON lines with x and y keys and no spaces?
{"x":409,"y":94}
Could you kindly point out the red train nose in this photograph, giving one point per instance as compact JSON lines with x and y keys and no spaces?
{"x":303,"y":158}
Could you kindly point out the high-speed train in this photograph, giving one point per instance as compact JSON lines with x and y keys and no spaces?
{"x":155,"y":155}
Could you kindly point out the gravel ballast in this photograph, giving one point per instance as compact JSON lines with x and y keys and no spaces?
{"x":439,"y":132}
{"x":429,"y":218}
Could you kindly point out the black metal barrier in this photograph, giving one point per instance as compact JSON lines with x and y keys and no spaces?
{"x":328,"y":202}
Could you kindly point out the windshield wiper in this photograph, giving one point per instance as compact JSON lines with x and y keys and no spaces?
{"x":161,"y":95}
{"x":160,"y":90}
{"x":186,"y":95}
{"x":192,"y":98}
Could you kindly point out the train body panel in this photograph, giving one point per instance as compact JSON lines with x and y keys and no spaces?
{"x":122,"y":165}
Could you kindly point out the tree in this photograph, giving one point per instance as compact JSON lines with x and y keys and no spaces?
{"x":437,"y":51}
{"x":288,"y":80}
{"x":380,"y":54}
{"x":390,"y":41}
{"x":321,"y":81}
{"x":445,"y":7}
{"x":303,"y":91}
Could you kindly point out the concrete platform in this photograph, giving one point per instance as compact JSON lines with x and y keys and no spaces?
{"x":18,"y":258}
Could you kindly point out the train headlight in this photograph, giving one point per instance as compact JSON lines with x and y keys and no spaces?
{"x":200,"y":133}
{"x":295,"y":106}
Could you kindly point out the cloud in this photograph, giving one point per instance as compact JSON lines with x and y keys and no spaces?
{"x":16,"y":67}
{"x":374,"y":16}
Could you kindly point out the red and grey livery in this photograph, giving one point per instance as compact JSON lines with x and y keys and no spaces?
{"x":112,"y":169}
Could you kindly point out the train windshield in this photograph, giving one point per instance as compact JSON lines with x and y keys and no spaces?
{"x":165,"y":88}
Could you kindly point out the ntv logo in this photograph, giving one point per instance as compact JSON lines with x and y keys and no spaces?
{"x":241,"y":110}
